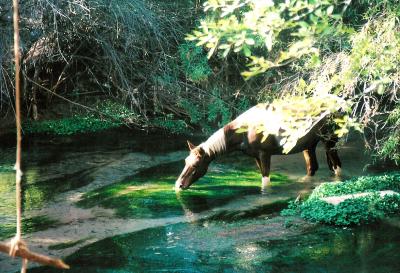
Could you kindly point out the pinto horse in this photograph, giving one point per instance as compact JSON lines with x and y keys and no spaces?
{"x":250,"y":142}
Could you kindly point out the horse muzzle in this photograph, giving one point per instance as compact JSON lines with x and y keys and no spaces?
{"x":179,"y":185}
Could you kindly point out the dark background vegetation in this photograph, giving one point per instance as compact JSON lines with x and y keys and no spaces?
{"x":95,"y":64}
{"x":130,"y":53}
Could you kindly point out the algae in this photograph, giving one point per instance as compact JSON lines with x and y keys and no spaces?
{"x":150,"y":193}
{"x":29,"y":225}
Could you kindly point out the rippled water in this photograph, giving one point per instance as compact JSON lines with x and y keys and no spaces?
{"x":105,"y":202}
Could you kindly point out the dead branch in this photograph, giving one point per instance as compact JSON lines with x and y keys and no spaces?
{"x":35,"y":257}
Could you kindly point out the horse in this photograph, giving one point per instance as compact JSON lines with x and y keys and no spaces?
{"x":251,"y":142}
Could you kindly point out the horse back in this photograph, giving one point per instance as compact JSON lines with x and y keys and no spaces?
{"x":253,"y":143}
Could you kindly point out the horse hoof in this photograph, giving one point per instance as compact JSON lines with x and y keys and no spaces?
{"x":306,"y":178}
{"x":338,"y":171}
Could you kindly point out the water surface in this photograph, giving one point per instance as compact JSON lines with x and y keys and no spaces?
{"x":105,"y":202}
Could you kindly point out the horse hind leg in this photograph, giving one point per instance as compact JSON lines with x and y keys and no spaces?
{"x":264,"y":164}
{"x":311,"y":160}
{"x":332,"y":156}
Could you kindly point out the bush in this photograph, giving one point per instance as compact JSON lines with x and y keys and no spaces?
{"x":194,"y":62}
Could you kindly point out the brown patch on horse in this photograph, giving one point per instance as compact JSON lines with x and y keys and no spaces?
{"x":198,"y":152}
{"x":191,"y":145}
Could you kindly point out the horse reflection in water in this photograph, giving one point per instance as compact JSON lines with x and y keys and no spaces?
{"x":227,"y":139}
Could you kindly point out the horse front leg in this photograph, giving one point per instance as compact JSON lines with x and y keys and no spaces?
{"x":264,"y":164}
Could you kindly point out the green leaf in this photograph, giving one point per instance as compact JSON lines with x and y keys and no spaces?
{"x":329,"y":10}
{"x":246,"y":51}
{"x":250,"y":41}
{"x":241,"y":130}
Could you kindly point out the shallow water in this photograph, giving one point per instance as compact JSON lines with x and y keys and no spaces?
{"x":105,"y":202}
{"x":258,"y":245}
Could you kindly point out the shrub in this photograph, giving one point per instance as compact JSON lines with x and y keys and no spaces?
{"x":194,"y":62}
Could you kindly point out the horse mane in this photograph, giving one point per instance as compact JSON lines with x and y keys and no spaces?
{"x":215,"y":144}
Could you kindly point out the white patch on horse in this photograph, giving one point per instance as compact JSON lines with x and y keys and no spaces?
{"x":191,"y":159}
{"x":251,"y":117}
{"x":215,"y":144}
{"x":261,"y":115}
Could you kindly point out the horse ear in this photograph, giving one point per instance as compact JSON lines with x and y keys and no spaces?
{"x":191,"y":145}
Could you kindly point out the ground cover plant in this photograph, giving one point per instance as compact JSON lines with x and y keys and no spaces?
{"x":353,"y":211}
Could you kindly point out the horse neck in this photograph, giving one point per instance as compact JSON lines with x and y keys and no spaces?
{"x":220,"y":142}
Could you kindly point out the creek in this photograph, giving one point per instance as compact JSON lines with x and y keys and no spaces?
{"x":105,"y":203}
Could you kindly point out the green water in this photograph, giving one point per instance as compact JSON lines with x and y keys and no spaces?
{"x":150,"y":194}
{"x":223,"y":223}
{"x":256,"y":245}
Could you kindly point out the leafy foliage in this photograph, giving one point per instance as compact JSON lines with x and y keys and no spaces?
{"x":134,"y":52}
{"x":245,"y":25}
{"x":194,"y":62}
{"x":356,"y":64}
{"x":218,"y":108}
{"x":368,"y":78}
{"x":170,"y":123}
{"x":353,"y":211}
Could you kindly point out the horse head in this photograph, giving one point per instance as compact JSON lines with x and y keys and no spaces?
{"x":196,"y":165}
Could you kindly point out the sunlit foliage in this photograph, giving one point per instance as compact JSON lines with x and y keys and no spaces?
{"x":247,"y":26}
{"x":295,"y":119}
{"x":360,"y":69}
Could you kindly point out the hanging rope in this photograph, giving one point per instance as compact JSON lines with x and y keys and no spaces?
{"x":16,"y":242}
{"x":17,"y":246}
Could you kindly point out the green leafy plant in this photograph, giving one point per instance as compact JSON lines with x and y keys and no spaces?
{"x":195,"y":114}
{"x":390,"y":149}
{"x":194,"y":62}
{"x":170,"y":123}
{"x":218,"y":111}
{"x":353,"y":211}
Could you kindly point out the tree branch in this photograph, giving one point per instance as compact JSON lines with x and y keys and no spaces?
{"x":35,"y":257}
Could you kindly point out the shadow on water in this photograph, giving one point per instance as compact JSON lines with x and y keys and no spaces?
{"x":244,"y":246}
{"x":29,"y":225}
